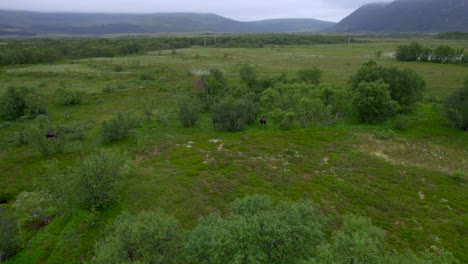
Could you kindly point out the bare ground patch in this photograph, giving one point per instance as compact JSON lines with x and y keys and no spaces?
{"x":415,"y":153}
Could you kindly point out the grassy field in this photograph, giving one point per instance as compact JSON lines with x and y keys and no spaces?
{"x":403,"y":180}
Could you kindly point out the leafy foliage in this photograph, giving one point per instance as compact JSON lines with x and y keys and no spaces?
{"x":256,"y":231}
{"x":304,"y":104}
{"x":8,"y":229}
{"x":441,"y":54}
{"x":93,"y":182}
{"x":188,"y":111}
{"x":405,"y":86}
{"x":233,"y":114}
{"x":373,"y":102}
{"x":358,"y":241}
{"x":144,"y":238}
{"x":69,"y":97}
{"x":118,"y":127}
{"x":22,"y":101}
{"x":456,"y":108}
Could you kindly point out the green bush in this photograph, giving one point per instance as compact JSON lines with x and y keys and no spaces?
{"x":144,"y":238}
{"x":188,"y":112}
{"x":98,"y":179}
{"x":17,"y":102}
{"x":93,"y":182}
{"x":257,"y":231}
{"x":233,"y":114}
{"x":358,"y":241}
{"x":119,"y":127}
{"x":36,"y":136}
{"x":69,"y":97}
{"x":8,"y":241}
{"x":456,"y":108}
{"x":405,"y":86}
{"x":373,"y":102}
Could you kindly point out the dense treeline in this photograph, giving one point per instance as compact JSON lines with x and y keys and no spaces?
{"x":453,"y":35}
{"x":50,"y":50}
{"x":441,"y":54}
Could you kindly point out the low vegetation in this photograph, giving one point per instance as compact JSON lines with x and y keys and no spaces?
{"x":160,"y":156}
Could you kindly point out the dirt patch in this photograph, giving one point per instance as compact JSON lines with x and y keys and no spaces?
{"x":419,"y":154}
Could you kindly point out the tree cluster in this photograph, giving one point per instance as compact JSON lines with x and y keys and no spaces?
{"x":381,"y":92}
{"x":441,"y":54}
{"x":22,"y":101}
{"x":255,"y":230}
{"x":50,"y":50}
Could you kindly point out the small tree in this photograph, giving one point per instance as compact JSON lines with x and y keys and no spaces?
{"x":188,"y":112}
{"x":405,"y":86}
{"x":97,"y":179}
{"x":456,"y":108}
{"x":373,"y":102}
{"x":409,"y":52}
{"x":444,"y":54}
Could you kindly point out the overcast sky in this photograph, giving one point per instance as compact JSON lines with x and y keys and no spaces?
{"x":243,"y":10}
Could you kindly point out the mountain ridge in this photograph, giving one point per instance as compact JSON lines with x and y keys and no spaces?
{"x":40,"y":23}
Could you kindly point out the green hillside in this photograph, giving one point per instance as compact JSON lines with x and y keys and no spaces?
{"x":407,"y":16}
{"x":21,"y":23}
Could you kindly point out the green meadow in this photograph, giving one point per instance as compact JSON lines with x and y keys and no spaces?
{"x":411,"y":182}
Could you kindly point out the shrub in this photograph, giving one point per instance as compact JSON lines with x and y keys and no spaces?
{"x":288,"y":120}
{"x":257,"y":231}
{"x":358,"y":241}
{"x":188,"y":112}
{"x":21,"y":101}
{"x":118,"y":127}
{"x":310,"y":76}
{"x":233,"y":114}
{"x":36,"y":136}
{"x":405,"y":86}
{"x":409,"y":52}
{"x":69,"y":97}
{"x":144,"y":238}
{"x":8,"y":242}
{"x":93,"y":182}
{"x":373,"y":102}
{"x":97,"y":179}
{"x":456,"y":108}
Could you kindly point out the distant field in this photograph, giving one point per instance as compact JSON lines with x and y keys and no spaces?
{"x":401,"y":179}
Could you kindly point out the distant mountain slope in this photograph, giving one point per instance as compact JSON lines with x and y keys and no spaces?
{"x":407,"y":16}
{"x":31,"y":23}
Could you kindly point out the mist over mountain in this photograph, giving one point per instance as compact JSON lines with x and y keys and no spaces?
{"x":22,"y":23}
{"x":425,"y":16}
